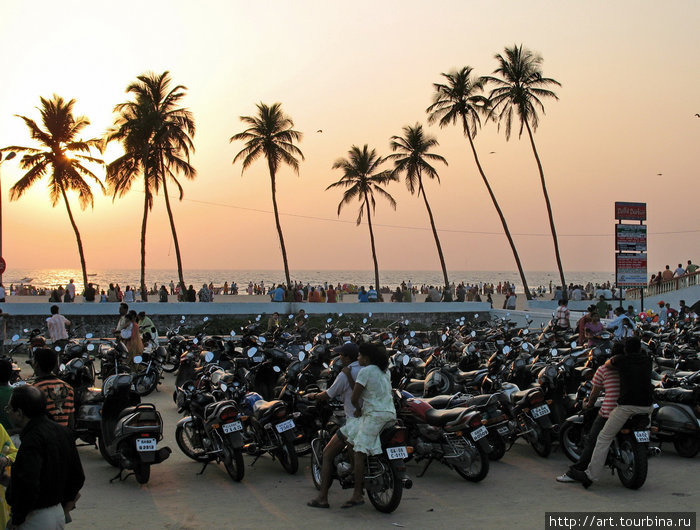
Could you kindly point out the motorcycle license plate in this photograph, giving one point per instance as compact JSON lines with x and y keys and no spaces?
{"x":232,"y":427}
{"x":395,"y":453}
{"x":479,"y":433}
{"x":503,"y":430}
{"x":641,"y":436}
{"x":145,"y":444}
{"x":258,"y":359}
{"x":540,"y":411}
{"x":285,"y":426}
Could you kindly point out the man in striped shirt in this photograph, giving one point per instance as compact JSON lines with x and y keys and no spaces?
{"x":606,"y":380}
{"x":59,"y":394}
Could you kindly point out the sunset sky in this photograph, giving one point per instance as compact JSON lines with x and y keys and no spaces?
{"x":360,"y":71}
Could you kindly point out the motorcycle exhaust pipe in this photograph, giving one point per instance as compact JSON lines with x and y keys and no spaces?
{"x":407,"y":483}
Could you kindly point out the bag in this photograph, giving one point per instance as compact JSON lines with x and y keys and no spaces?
{"x":126,"y":332}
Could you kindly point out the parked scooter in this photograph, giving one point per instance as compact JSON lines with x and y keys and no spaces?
{"x":129,"y":430}
{"x":676,"y":414}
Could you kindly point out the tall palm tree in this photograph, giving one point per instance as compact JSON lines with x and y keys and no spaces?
{"x":270,"y":134}
{"x":156,"y":134}
{"x":459,"y":100}
{"x":361,"y":179}
{"x":59,"y":155}
{"x":519,"y":90}
{"x":413,"y":161}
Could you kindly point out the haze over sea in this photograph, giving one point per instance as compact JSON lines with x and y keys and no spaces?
{"x":50,"y":278}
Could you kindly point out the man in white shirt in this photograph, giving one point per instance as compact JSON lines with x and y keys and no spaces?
{"x":622,"y":327}
{"x":680,"y":271}
{"x":341,"y":387}
{"x":57,"y":325}
{"x":70,"y":289}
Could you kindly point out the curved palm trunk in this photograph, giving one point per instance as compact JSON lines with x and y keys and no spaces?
{"x":549,"y":208}
{"x":500,"y":213}
{"x":279,"y":226}
{"x":180,"y":276}
{"x":421,"y":190}
{"x":77,"y":237}
{"x":144,"y":291}
{"x":374,"y":251}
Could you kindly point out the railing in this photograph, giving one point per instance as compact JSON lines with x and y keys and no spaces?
{"x":687,"y":280}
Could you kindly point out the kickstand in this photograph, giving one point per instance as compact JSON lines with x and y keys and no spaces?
{"x":203,"y":467}
{"x":427,"y":465}
{"x":120,"y":477}
{"x":256,"y":459}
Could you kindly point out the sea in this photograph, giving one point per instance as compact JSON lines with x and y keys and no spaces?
{"x":51,"y":278}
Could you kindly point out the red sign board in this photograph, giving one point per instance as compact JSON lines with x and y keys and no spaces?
{"x":3,"y":265}
{"x":630,"y":211}
{"x":631,"y":237}
{"x":631,"y":269}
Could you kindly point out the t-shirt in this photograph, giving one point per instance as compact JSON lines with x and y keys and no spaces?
{"x":57,"y":327}
{"x":341,"y":387}
{"x":279,"y":295}
{"x":5,"y":393}
{"x":609,"y":379}
{"x":679,"y":271}
{"x":667,"y":274}
{"x":561,"y":317}
{"x":635,"y":379}
{"x":331,"y":298}
{"x":691,"y":268}
{"x":59,"y":399}
{"x":377,"y":394}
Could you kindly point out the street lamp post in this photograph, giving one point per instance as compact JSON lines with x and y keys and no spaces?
{"x":8,"y":156}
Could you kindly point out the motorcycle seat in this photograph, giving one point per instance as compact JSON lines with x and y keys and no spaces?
{"x":438,"y":402}
{"x":520,"y":394}
{"x":675,"y":395}
{"x":439,"y":418}
{"x":473,"y":375}
{"x":262,"y":407}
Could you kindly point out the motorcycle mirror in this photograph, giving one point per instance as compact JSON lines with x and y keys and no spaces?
{"x":554,"y":352}
{"x":405,"y":342}
{"x":369,"y":315}
{"x":308,"y":346}
{"x":364,"y":321}
{"x":329,"y":335}
{"x":205,"y":319}
{"x":473,"y":333}
{"x":88,"y":335}
{"x":90,"y":347}
{"x":302,"y":355}
{"x":195,"y":340}
{"x":262,"y":340}
{"x":526,"y":331}
{"x":340,"y":315}
{"x":507,"y":315}
{"x":138,"y":359}
{"x":306,"y":316}
{"x":252,"y":351}
{"x":290,"y":317}
{"x":277,"y":369}
{"x":329,"y":320}
{"x":662,"y":322}
{"x":233,"y":333}
{"x":182,"y":321}
{"x":406,"y":322}
{"x":25,"y":330}
{"x":62,"y":367}
{"x":507,"y":349}
{"x":405,"y":360}
{"x":257,"y":318}
{"x":443,"y":338}
{"x":209,"y":356}
{"x":15,"y":338}
{"x":527,"y":316}
{"x":325,"y":365}
{"x":526,"y":346}
{"x":476,"y":315}
{"x":412,"y":334}
{"x":223,"y":387}
{"x":57,"y":348}
{"x":573,"y":344}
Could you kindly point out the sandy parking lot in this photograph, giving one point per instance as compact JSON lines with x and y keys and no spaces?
{"x":515,"y":494}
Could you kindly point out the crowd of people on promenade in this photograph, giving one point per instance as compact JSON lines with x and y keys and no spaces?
{"x":667,"y":274}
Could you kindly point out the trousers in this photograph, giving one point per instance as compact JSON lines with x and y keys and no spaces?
{"x":51,"y":518}
{"x":617,"y":419}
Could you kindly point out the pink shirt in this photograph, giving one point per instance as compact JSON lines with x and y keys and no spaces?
{"x":610,"y":381}
{"x":57,"y":327}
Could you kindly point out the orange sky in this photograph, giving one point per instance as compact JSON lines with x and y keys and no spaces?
{"x":630,"y":73}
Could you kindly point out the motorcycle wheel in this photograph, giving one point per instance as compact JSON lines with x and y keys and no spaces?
{"x":171,"y":363}
{"x":632,"y":469}
{"x":287,"y":457}
{"x":498,"y":446}
{"x":105,"y":454}
{"x":184,"y":435}
{"x":687,"y":446}
{"x":571,"y":440}
{"x":233,"y":462}
{"x":478,"y":467}
{"x":142,"y":472}
{"x":539,"y":438}
{"x":389,"y":498}
{"x":146,"y":383}
{"x":317,"y":446}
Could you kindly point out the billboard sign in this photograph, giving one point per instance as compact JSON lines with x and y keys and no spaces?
{"x":630,"y":211}
{"x":631,"y":238}
{"x":631,"y":269}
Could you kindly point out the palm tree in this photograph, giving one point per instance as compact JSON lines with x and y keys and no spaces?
{"x":459,"y":100}
{"x":362,"y":178}
{"x":270,"y":134}
{"x":157,"y":138}
{"x":59,"y":155}
{"x":412,"y":160}
{"x":518,"y":91}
